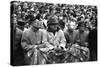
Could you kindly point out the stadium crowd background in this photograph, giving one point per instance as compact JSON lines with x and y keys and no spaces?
{"x":28,"y":11}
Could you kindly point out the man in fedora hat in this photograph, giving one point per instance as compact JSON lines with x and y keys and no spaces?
{"x":53,"y":38}
{"x":31,"y":42}
{"x":53,"y":34}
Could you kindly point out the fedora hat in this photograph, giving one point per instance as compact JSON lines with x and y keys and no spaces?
{"x":52,"y":21}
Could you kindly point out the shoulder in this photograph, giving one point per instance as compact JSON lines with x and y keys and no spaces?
{"x":42,"y":30}
{"x":18,"y":31}
{"x":27,"y":32}
{"x":93,"y":31}
{"x":86,"y":33}
{"x":66,"y":32}
{"x":76,"y":31}
{"x":60,"y":32}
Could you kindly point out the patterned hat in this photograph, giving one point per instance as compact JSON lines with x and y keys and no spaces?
{"x":52,"y":21}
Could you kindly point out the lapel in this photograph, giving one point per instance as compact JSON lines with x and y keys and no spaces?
{"x":53,"y":37}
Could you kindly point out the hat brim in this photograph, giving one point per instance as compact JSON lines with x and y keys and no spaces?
{"x":53,"y":24}
{"x":36,"y":26}
{"x":21,"y":23}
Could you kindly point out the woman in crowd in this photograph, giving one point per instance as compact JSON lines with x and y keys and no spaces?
{"x":31,"y":42}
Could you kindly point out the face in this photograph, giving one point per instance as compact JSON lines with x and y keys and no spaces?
{"x":71,"y":27}
{"x":19,"y":7}
{"x":35,"y":28}
{"x":14,"y":19}
{"x":25,"y":5}
{"x":54,"y":27}
{"x":81,"y":28}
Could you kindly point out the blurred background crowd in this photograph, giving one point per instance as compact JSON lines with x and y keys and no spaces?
{"x":24,"y":13}
{"x":28,"y":11}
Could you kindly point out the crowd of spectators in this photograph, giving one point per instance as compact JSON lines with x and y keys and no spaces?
{"x":28,"y":11}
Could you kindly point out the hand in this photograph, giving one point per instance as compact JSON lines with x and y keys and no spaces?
{"x":35,"y":46}
{"x":51,"y":47}
{"x":69,"y":44}
{"x":56,"y":47}
{"x":60,"y":47}
{"x":29,"y":47}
